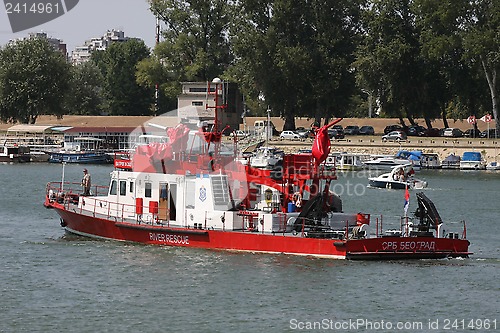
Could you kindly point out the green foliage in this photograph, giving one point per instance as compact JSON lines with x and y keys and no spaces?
{"x":86,"y":90}
{"x":387,"y":59}
{"x":309,"y":58}
{"x":33,"y":81}
{"x":150,"y":72}
{"x":482,"y":44}
{"x":295,"y":56}
{"x":195,"y":45}
{"x":118,"y":67}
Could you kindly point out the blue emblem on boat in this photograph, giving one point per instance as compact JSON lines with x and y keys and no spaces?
{"x":203,"y":193}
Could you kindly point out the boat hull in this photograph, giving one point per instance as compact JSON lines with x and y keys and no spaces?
{"x":15,"y":159}
{"x":81,"y":158}
{"x":387,"y":184}
{"x":396,"y":185}
{"x":389,"y":248}
{"x":383,"y":248}
{"x":248,"y":241}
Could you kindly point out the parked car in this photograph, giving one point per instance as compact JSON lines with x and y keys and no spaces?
{"x":304,"y":133}
{"x":416,"y":130}
{"x":453,"y":133}
{"x":366,"y":130}
{"x":335,"y":133}
{"x":289,"y":135}
{"x":432,"y":132}
{"x":472,"y":133}
{"x":394,"y":136}
{"x":489,"y":134}
{"x":392,"y":128}
{"x":339,"y":129}
{"x":351,"y":130}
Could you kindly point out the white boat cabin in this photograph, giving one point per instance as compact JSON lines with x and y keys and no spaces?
{"x":204,"y":201}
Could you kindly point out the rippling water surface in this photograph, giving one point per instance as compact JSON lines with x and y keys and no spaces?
{"x":50,"y":282}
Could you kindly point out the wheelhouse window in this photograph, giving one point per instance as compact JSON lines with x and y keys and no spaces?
{"x":112,"y":188}
{"x":131,"y":187}
{"x":123,"y":187}
{"x":147,"y":190}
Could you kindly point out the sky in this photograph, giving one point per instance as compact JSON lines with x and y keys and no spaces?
{"x":91,"y":18}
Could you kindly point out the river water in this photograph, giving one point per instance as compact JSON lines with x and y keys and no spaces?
{"x":50,"y":282}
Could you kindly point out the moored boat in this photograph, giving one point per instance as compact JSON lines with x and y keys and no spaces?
{"x":430,"y":161}
{"x":493,"y":166}
{"x":387,"y":162}
{"x":87,"y":150}
{"x":210,"y":200}
{"x":266,"y":157}
{"x":14,"y":154}
{"x":472,"y":160}
{"x":343,"y":161}
{"x":451,"y":161}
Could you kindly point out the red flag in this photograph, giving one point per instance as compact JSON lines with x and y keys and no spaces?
{"x":321,"y":144}
{"x":407,"y":200}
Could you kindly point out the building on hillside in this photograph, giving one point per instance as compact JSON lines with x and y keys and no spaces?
{"x":193,"y":100}
{"x":82,"y":53}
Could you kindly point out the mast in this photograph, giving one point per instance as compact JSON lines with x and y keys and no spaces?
{"x":157,"y":86}
{"x":219,"y":105}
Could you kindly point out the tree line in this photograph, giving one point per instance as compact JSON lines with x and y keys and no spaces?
{"x":310,"y":58}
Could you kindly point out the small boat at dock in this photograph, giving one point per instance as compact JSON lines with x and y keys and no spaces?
{"x":387,"y":162}
{"x":342,"y":161}
{"x":14,"y":154}
{"x":472,"y":160}
{"x":86,"y":150}
{"x":451,"y":161}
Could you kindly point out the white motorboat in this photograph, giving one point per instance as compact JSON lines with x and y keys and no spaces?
{"x":346,"y":161}
{"x":266,"y":157}
{"x":493,"y":166}
{"x":388,"y":163}
{"x":472,"y":160}
{"x":399,"y":178}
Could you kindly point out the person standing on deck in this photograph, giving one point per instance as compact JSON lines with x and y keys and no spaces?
{"x":86,"y":182}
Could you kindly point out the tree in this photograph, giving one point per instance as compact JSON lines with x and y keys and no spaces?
{"x":123,"y":96}
{"x":482,"y":41}
{"x":388,"y":62}
{"x":151,"y":72}
{"x":295,"y":55}
{"x":33,"y":81}
{"x":86,"y":90}
{"x":195,"y":45}
{"x":456,"y":92}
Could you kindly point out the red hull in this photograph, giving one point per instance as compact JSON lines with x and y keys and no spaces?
{"x":371,"y":248}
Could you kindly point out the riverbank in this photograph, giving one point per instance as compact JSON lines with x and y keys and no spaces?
{"x":489,"y":148}
{"x":134,"y":121}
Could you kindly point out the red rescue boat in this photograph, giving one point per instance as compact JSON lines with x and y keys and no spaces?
{"x":187,"y":192}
